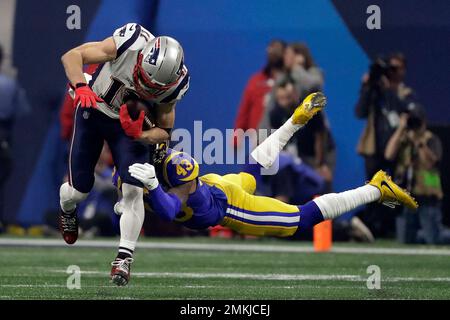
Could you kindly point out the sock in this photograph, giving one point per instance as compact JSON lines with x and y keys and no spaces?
{"x":333,"y":205}
{"x":124,"y":253}
{"x":310,"y":215}
{"x":267,"y":152}
{"x":132,"y":217}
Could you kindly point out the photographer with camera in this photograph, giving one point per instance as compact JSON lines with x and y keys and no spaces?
{"x":382,"y":98}
{"x":416,"y":153}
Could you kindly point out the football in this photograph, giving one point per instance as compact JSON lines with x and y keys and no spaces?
{"x":134,"y":109}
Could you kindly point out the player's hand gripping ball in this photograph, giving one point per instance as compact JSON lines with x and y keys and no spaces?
{"x":135,"y":117}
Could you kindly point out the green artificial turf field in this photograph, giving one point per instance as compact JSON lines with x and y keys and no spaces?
{"x":200,"y":268}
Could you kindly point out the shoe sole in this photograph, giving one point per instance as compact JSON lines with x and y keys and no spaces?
{"x":119,"y":280}
{"x":318,"y":101}
{"x":404,"y":193}
{"x":411,"y":198}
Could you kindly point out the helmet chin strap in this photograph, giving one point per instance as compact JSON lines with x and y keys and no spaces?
{"x":139,"y":75}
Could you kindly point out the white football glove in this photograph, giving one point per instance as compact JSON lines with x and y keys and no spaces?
{"x":145,"y":173}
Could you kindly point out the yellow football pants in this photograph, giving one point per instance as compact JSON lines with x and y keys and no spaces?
{"x":253,"y":215}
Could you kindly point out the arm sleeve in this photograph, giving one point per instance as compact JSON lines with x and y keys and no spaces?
{"x":165,"y":205}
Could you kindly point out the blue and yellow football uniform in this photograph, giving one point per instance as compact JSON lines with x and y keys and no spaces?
{"x":226,"y":200}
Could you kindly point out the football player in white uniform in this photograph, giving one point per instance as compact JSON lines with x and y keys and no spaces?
{"x":133,"y":64}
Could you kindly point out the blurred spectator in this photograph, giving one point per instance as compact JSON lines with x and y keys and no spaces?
{"x":416,"y":153}
{"x":251,"y":109}
{"x":66,"y":118}
{"x":314,"y":143}
{"x":299,"y":68}
{"x":295,"y":181}
{"x":13,"y":104}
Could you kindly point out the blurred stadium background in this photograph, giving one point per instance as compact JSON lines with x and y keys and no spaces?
{"x":225,"y":43}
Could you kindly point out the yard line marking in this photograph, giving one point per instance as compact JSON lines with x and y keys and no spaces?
{"x":49,"y":286}
{"x":251,"y":276}
{"x":263,"y":247}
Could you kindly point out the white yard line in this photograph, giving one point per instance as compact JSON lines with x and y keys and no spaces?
{"x":263,"y":247}
{"x":251,"y":276}
{"x":236,"y":276}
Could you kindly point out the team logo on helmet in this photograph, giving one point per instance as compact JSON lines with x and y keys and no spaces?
{"x":152,"y":57}
{"x":179,"y":168}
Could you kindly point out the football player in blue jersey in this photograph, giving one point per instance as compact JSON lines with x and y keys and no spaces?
{"x":199,"y":202}
{"x":133,"y":64}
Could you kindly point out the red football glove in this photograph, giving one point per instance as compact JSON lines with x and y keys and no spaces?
{"x":86,"y":97}
{"x":132,"y":128}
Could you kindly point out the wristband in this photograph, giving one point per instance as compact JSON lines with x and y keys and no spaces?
{"x":77,"y":85}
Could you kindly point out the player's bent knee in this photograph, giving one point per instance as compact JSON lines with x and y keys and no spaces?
{"x":248,"y":182}
{"x":69,"y":197}
{"x":131,"y":193}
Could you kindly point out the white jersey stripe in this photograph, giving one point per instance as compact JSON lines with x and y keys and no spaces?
{"x":273,"y":218}
{"x":129,"y":42}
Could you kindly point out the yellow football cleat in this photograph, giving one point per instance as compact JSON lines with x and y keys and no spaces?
{"x":312,"y":104}
{"x":392,"y":194}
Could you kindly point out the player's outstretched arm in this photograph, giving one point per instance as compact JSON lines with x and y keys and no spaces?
{"x":88,"y":53}
{"x":165,"y":204}
{"x":165,"y":119}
